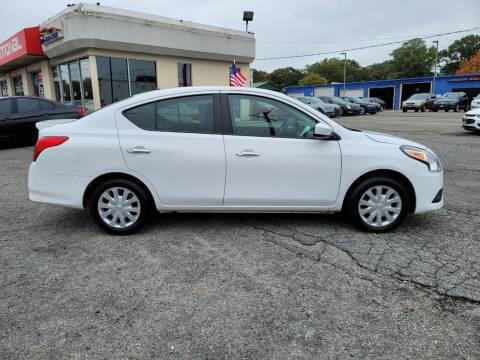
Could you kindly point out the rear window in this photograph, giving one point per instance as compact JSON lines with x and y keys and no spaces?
{"x":191,"y":114}
{"x":5,"y":107}
{"x":28,"y":105}
{"x":45,"y":105}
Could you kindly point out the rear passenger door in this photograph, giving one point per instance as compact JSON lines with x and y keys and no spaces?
{"x":6,"y":129}
{"x":27,"y":114}
{"x":178,"y":146}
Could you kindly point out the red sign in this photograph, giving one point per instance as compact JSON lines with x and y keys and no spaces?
{"x":25,"y":42}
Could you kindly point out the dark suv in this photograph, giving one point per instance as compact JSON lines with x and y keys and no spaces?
{"x":367,"y":107}
{"x":452,"y":101}
{"x":348,"y":108}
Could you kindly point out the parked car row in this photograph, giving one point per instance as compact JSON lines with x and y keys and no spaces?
{"x":455,"y":101}
{"x":333,"y":106}
{"x":19,"y":114}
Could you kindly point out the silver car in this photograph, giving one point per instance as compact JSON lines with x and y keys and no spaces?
{"x":317,"y":104}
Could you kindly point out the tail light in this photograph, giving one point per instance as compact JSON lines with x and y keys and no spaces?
{"x":81,"y":111}
{"x":46,"y":142}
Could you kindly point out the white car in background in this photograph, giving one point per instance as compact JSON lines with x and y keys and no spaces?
{"x":475,"y":102}
{"x":226,"y":149}
{"x":471,"y":120}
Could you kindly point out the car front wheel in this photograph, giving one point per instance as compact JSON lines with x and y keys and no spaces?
{"x":120,"y":207}
{"x":379,"y":204}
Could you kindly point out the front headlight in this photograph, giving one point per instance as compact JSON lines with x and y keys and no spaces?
{"x":348,"y":107}
{"x":424,"y":156}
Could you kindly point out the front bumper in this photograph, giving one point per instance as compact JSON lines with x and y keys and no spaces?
{"x":444,"y":106}
{"x":63,"y":190}
{"x":472,"y":124}
{"x":427,"y":186}
{"x":411,"y":107}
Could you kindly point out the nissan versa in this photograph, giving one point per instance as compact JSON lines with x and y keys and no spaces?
{"x":228,"y":149}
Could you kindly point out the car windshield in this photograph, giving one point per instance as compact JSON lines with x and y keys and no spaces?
{"x":316,"y":100}
{"x":451,"y":96}
{"x":419,"y":97}
{"x":353,"y":99}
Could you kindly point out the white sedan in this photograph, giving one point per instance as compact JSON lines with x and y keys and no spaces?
{"x":471,"y":120}
{"x":228,"y":149}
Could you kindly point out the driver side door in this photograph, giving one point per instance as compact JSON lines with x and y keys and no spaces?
{"x":273,"y":160}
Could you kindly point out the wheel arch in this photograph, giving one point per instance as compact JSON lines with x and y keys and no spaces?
{"x":111,"y":176}
{"x":387,"y":173}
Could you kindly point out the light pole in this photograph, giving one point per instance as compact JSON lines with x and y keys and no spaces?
{"x":344,"y":73}
{"x":435,"y":66}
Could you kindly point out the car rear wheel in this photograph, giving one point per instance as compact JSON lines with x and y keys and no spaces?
{"x":120,"y":206}
{"x":404,"y":110}
{"x":379,"y":204}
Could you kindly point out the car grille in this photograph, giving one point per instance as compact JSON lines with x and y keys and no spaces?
{"x":469,"y":121}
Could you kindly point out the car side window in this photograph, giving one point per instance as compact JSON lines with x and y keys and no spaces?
{"x":28,"y":105}
{"x":5,"y":107}
{"x":191,"y":114}
{"x":46,"y":106}
{"x":263,"y":117}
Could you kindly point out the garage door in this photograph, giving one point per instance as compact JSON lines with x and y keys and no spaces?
{"x":355,"y":92}
{"x":324,"y":91}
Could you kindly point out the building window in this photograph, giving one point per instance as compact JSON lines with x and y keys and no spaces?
{"x":120,"y":78}
{"x":65,"y":80}
{"x":184,"y":74}
{"x":3,"y":88}
{"x":142,"y":76}
{"x":73,"y":84}
{"x":56,"y":84}
{"x":37,"y":80}
{"x":18,"y":85}
{"x":87,"y":85}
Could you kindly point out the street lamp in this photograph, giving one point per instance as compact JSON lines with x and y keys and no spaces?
{"x":435,"y":66}
{"x":344,"y":73}
{"x":247,"y":16}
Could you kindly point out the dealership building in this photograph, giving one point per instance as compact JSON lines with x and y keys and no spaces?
{"x":394,"y":91}
{"x":90,"y":55}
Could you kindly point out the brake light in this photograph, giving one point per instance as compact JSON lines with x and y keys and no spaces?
{"x":81,"y":111}
{"x":46,"y":142}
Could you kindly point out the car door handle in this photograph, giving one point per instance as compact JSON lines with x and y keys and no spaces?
{"x":248,"y":153}
{"x":138,"y":150}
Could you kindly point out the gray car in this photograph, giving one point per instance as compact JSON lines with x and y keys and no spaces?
{"x":317,"y":104}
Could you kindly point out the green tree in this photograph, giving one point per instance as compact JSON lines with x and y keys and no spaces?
{"x":459,"y":51}
{"x":379,"y":71}
{"x":259,"y":75}
{"x":411,"y":59}
{"x":312,"y":79}
{"x":284,"y":77}
{"x":332,"y":70}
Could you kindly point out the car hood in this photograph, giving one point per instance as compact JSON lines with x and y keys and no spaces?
{"x":390,"y":139}
{"x":473,"y":112}
{"x":416,"y":102}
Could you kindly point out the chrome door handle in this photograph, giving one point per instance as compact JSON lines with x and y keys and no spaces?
{"x":138,"y":150}
{"x":248,"y":153}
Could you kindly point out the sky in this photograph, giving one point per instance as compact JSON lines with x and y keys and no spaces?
{"x":284,"y":28}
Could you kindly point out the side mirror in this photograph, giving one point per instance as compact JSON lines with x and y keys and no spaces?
{"x":323,"y":132}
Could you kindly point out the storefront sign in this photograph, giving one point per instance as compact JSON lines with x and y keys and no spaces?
{"x":25,"y":42}
{"x":50,"y":34}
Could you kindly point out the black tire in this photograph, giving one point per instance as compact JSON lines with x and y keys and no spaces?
{"x":352,"y":203}
{"x":422,"y":109}
{"x":144,"y":199}
{"x":416,"y":110}
{"x":434,"y":110}
{"x":404,"y":110}
{"x":447,"y":110}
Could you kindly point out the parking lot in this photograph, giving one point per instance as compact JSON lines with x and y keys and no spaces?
{"x":211,"y":286}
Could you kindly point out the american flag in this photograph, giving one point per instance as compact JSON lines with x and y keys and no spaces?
{"x":236,"y":77}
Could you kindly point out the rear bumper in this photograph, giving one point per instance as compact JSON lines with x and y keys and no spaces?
{"x":444,"y":107}
{"x":62,"y":190}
